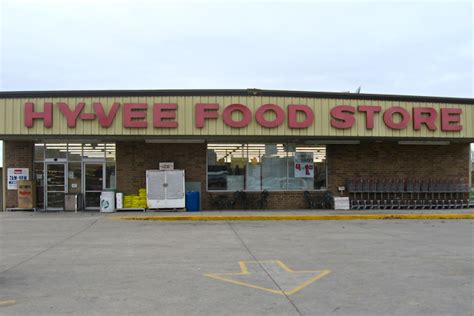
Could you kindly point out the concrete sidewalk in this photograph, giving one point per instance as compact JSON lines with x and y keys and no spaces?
{"x":253,"y":215}
{"x":292,"y":217}
{"x":227,"y":213}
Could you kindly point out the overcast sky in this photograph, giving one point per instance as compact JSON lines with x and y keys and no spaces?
{"x":396,"y":47}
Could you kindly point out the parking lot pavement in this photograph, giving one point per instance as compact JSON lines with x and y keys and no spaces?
{"x":90,"y":264}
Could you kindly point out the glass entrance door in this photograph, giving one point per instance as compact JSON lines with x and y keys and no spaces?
{"x":93,"y":184}
{"x":55,"y":186}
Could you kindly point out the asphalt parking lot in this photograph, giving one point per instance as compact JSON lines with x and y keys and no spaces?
{"x":91,"y":264}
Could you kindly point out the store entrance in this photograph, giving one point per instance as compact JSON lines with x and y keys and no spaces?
{"x":93,"y":184}
{"x":56,"y":184}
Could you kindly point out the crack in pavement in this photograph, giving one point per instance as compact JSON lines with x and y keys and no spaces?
{"x":263,"y":268}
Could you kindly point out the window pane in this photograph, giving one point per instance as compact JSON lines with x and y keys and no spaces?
{"x":225,"y":167}
{"x":56,"y":151}
{"x":274,"y":167}
{"x":110,"y":175}
{"x":74,"y":177}
{"x":110,"y":152}
{"x":39,"y":152}
{"x":254,"y":170}
{"x":74,"y":152}
{"x":94,"y":151}
{"x":307,"y":167}
{"x":320,"y":175}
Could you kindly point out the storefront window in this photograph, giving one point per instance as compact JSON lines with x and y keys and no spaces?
{"x":110,"y":152}
{"x":73,"y":168}
{"x":225,"y":168}
{"x":273,"y":167}
{"x":74,"y":152}
{"x":74,"y":177}
{"x":56,"y":151}
{"x":93,"y":151}
{"x":110,"y":175}
{"x":254,"y":168}
{"x":306,"y":167}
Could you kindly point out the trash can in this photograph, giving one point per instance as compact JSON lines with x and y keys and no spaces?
{"x":73,"y":202}
{"x":192,"y":201}
{"x":107,"y":201}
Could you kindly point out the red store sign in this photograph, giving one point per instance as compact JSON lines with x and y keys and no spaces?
{"x":134,"y":115}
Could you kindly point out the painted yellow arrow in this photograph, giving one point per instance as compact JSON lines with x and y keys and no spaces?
{"x":255,"y":274}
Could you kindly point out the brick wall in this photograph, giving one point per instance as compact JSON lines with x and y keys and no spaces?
{"x":344,"y":161}
{"x":16,"y":155}
{"x":390,"y":160}
{"x":276,"y":200}
{"x":134,"y":158}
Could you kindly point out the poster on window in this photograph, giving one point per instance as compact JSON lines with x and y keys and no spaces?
{"x":304,"y":166}
{"x":15,"y":174}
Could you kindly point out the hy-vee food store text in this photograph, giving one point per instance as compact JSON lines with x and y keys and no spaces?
{"x":295,"y":116}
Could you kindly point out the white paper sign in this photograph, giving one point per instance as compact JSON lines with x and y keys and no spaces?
{"x":15,"y":174}
{"x":304,"y":165}
{"x":166,"y":166}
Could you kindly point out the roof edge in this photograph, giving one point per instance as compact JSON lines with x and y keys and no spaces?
{"x":233,"y":92}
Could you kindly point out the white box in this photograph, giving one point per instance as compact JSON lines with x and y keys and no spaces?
{"x":119,"y":200}
{"x":166,"y":166}
{"x":165,"y":189}
{"x":341,"y":203}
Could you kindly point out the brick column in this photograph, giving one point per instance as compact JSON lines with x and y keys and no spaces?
{"x":17,"y":154}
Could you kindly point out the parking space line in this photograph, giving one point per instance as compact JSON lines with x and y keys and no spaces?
{"x":8,"y":302}
{"x":284,"y":269}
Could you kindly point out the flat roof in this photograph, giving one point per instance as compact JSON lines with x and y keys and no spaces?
{"x":233,"y":92}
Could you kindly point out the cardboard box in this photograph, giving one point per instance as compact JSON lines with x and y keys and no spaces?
{"x":26,"y":194}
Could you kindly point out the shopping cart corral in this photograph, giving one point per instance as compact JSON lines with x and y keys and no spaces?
{"x":410,"y":193}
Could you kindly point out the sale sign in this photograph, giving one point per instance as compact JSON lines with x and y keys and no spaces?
{"x":304,"y":165}
{"x":15,"y":174}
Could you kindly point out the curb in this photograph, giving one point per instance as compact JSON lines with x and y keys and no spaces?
{"x":293,"y":217}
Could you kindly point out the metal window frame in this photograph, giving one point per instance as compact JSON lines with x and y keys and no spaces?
{"x":287,"y":171}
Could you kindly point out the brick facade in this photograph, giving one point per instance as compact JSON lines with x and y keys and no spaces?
{"x":390,"y":160}
{"x":134,"y":158}
{"x":16,"y":154}
{"x":375,"y":160}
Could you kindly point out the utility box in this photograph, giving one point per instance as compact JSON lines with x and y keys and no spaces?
{"x":165,"y":189}
{"x":341,"y":203}
{"x":73,"y":202}
{"x":119,"y":200}
{"x":26,"y":194}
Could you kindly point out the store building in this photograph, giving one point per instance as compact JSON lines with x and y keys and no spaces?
{"x":285,"y":142}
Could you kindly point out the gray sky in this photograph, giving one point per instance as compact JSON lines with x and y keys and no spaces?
{"x":396,"y":47}
{"x":423,"y":48}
